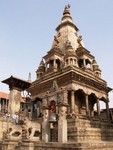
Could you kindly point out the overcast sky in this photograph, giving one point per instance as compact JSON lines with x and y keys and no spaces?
{"x":27,"y":29}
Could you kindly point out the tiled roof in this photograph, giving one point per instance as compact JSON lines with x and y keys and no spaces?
{"x":4,"y":95}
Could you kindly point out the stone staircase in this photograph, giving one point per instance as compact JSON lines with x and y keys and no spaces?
{"x":83,"y":134}
{"x":84,"y":129}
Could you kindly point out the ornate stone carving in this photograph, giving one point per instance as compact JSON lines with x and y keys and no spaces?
{"x":54,"y":86}
{"x":79,"y":40}
{"x":62,"y":112}
{"x":60,"y":98}
{"x":44,"y":102}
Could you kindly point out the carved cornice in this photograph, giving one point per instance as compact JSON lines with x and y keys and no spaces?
{"x":66,"y":79}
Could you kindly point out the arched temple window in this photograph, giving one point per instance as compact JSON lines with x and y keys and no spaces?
{"x":80,"y":101}
{"x":58,"y":63}
{"x":80,"y":63}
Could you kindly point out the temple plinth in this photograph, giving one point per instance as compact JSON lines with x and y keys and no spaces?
{"x":16,"y":85}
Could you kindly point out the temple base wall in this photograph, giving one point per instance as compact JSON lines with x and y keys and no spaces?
{"x":58,"y":146}
{"x":92,"y":130}
{"x":83,"y":134}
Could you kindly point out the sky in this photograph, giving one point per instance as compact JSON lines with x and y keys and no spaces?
{"x":27,"y":29}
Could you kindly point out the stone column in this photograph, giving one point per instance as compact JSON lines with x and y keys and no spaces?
{"x":65,"y":96}
{"x":6,"y":104}
{"x":107,"y":108}
{"x":72,"y":102}
{"x":3,"y":106}
{"x":31,"y":110}
{"x":84,"y":63}
{"x":14,"y":98}
{"x":98,"y":107}
{"x":54,"y":63}
{"x":62,"y":124}
{"x":38,"y":108}
{"x":45,"y":126}
{"x":87,"y":105}
{"x":46,"y":67}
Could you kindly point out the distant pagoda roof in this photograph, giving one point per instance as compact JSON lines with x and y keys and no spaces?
{"x":15,"y":82}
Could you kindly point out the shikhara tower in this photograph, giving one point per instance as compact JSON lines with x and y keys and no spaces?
{"x":69,"y":78}
{"x":60,"y":103}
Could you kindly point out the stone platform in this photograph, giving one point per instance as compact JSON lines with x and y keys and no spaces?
{"x":91,"y":145}
{"x":86,"y":129}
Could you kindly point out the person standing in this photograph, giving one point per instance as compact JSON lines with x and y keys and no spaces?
{"x":15,"y":118}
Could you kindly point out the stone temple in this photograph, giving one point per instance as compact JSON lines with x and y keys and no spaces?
{"x":62,"y":106}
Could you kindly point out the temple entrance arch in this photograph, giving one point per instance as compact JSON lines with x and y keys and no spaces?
{"x":104,"y":105}
{"x":58,"y":63}
{"x":37,"y":108}
{"x":80,"y":101}
{"x":92,"y":104}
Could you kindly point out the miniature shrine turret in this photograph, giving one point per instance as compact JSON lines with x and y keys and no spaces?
{"x":41,"y":69}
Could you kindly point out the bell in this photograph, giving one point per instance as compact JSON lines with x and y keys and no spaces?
{"x":53,"y":117}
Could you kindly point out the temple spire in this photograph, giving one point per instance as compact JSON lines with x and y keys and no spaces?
{"x":66,"y":14}
{"x":29,"y":77}
{"x":64,"y":29}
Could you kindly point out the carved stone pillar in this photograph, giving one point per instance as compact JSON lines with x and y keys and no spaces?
{"x":3,"y":104}
{"x":107,"y":108}
{"x":6,"y":106}
{"x":84,"y":63}
{"x":40,"y":108}
{"x":54,"y":63}
{"x":62,"y":124}
{"x":45,"y":66}
{"x":98,"y":107}
{"x":45,"y":122}
{"x":87,"y":105}
{"x":65,"y":97}
{"x":45,"y":126}
{"x":14,"y":98}
{"x":72,"y":102}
